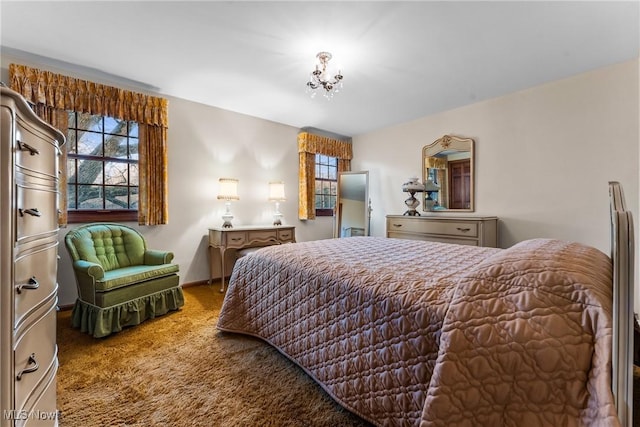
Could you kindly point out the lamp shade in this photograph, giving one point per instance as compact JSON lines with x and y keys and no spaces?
{"x":228,"y":189}
{"x":276,"y":191}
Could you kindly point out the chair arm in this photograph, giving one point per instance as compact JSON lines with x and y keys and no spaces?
{"x":89,"y":268}
{"x":155,"y":257}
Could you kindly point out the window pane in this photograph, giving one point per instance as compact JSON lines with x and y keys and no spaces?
{"x":118,"y":127}
{"x":90,"y":197}
{"x":72,"y":119}
{"x":89,"y":172}
{"x":71,"y":171}
{"x":71,"y":196}
{"x":133,"y":197}
{"x":133,"y":129}
{"x":116,"y":197}
{"x":332,"y":173}
{"x":133,"y":174}
{"x":333,"y":161}
{"x":71,"y":141}
{"x":90,"y":143}
{"x":116,"y":173}
{"x":133,"y":148}
{"x":89,"y":122}
{"x":326,"y":187}
{"x":115,"y":146}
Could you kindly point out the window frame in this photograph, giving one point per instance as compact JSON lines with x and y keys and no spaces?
{"x":318,"y":156}
{"x":92,"y":215}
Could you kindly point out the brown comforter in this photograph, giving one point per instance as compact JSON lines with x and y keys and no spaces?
{"x":406,"y":332}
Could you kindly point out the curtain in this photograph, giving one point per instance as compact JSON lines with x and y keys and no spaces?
{"x":443,"y":182}
{"x":308,"y":146}
{"x":61,"y":93}
{"x":435,"y":163}
{"x":152,"y":198}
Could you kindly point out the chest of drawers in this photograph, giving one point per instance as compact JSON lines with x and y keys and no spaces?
{"x":29,"y":153}
{"x":462,"y":230}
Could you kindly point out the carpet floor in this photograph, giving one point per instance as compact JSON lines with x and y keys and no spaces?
{"x":179,"y":370}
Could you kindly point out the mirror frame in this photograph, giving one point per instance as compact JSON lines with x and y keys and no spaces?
{"x":446,"y":143}
{"x":367,"y":203}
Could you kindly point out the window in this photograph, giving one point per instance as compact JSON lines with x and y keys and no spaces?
{"x":102,"y":168}
{"x":326,"y":184}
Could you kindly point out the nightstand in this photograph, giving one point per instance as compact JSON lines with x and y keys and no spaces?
{"x":245,"y":237}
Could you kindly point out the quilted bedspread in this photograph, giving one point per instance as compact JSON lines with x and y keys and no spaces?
{"x":408,"y":333}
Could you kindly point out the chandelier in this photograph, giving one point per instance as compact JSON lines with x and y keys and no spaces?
{"x":320,"y":78}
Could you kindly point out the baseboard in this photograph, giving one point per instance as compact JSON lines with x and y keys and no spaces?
{"x":198,"y":283}
{"x":65,"y":307}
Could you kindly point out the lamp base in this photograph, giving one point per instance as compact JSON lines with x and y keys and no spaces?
{"x":411,"y":212}
{"x":412,"y":203}
{"x":277,"y":218}
{"x":227,"y":216}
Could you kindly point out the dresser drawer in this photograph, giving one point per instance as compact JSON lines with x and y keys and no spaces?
{"x":286,"y":235}
{"x":35,"y":280}
{"x":449,"y":228}
{"x":37,"y":211}
{"x":236,"y":238}
{"x":35,"y":350}
{"x":35,"y":151}
{"x":44,"y":411}
{"x":262,"y":236}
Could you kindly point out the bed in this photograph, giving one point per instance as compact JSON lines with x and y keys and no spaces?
{"x":405,"y":332}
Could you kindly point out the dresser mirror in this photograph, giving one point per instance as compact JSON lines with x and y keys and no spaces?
{"x":352,"y":205}
{"x":448,"y":175}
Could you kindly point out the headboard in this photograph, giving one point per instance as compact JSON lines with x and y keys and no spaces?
{"x":622,"y":254}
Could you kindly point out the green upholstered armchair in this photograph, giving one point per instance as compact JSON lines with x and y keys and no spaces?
{"x":120,"y":282}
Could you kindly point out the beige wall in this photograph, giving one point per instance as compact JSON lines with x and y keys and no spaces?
{"x":544,"y":156}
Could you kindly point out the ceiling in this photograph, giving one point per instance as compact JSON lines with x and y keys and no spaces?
{"x":400,"y":60}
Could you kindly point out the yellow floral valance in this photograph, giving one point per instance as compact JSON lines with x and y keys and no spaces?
{"x":311,"y":143}
{"x":68,"y":93}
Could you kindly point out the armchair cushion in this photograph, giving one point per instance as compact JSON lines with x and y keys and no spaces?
{"x":126,"y":276}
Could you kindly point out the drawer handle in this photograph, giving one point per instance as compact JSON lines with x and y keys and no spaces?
{"x":464,"y":230}
{"x":23,"y":146}
{"x":397,"y":225}
{"x":33,"y":368}
{"x":32,"y":212}
{"x":31,"y":284}
{"x":235,"y":239}
{"x":285,"y":236}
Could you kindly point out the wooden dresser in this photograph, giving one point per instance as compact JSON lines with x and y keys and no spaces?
{"x":241,"y":237}
{"x":29,"y":156}
{"x":463,"y":230}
